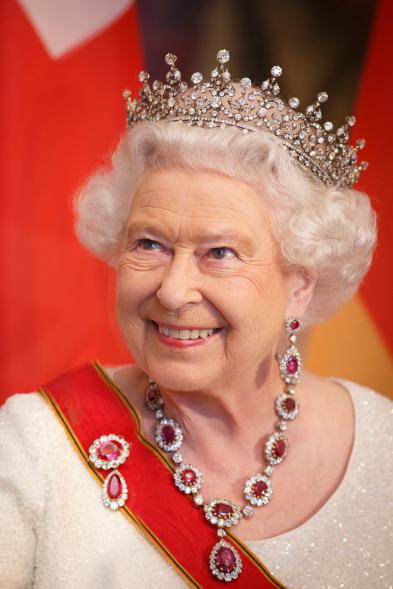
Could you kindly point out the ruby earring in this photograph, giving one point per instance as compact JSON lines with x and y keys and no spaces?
{"x":291,"y":362}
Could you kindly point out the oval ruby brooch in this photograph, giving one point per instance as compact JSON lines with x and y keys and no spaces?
{"x":109,"y":452}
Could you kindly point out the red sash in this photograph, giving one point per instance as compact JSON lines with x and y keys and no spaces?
{"x":89,"y":405}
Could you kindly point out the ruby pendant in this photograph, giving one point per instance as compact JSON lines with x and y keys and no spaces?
{"x":225,"y":562}
{"x":114,"y":491}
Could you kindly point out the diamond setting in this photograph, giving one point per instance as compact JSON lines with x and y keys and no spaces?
{"x":225,"y":562}
{"x":169,"y":435}
{"x":188,"y":479}
{"x":258,"y":490}
{"x":276,"y":71}
{"x":286,"y":407}
{"x":248,"y":511}
{"x":222,"y":513}
{"x":196,"y":78}
{"x":223,"y":56}
{"x":276,"y":448}
{"x":325,"y":157}
{"x":109,"y":451}
{"x":294,"y":102}
{"x":291,"y":365}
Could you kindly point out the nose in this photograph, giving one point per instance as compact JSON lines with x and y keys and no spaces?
{"x":180,"y":283}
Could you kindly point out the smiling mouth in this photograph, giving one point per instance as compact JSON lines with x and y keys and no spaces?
{"x":186,"y":334}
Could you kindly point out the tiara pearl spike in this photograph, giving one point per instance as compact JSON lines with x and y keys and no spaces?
{"x":324,"y":155}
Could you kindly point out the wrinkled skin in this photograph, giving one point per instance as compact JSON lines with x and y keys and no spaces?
{"x":199,"y":252}
{"x":207,"y":259}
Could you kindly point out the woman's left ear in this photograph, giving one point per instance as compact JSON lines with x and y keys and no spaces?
{"x":301,"y":289}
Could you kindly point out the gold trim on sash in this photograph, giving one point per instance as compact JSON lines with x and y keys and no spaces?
{"x":138,"y":523}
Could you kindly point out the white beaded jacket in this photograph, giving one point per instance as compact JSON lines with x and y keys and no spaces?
{"x":55,"y":532}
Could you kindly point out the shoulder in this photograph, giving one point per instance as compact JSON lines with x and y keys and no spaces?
{"x":24,"y":412}
{"x":29,"y":431}
{"x":28,"y":446}
{"x":371,"y":407}
{"x":371,"y":466}
{"x":348,"y":400}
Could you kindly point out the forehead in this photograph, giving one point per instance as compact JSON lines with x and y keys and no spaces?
{"x":199,"y":198}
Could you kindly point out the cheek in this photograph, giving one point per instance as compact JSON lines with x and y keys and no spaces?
{"x":262,"y":283}
{"x":134,"y":288}
{"x":256,"y":300}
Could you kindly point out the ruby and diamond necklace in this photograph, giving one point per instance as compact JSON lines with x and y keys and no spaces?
{"x":225,"y":562}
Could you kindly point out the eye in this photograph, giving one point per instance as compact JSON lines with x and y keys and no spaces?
{"x":149,"y":245}
{"x":222,"y":253}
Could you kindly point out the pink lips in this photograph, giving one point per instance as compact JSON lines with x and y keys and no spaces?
{"x":181,"y":343}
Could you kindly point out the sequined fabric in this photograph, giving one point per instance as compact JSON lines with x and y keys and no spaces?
{"x":55,"y":532}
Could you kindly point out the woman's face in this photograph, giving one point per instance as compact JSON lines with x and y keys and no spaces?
{"x":199,"y":256}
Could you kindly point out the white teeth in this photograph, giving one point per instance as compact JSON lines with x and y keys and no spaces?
{"x":186,"y":334}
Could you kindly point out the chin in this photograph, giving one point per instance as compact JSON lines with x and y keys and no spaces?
{"x":175,"y":375}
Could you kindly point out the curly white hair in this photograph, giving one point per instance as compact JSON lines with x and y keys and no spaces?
{"x":330,"y":232}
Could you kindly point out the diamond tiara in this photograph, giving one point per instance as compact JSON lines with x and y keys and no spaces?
{"x":323,"y":154}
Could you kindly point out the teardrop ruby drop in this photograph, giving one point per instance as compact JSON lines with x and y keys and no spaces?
{"x":289,"y":404}
{"x":114,"y":487}
{"x":225,"y":560}
{"x":108,"y":451}
{"x":279,"y":448}
{"x":223,"y":510}
{"x":188,"y":476}
{"x":259,"y":488}
{"x":168,"y":433}
{"x":292,"y":364}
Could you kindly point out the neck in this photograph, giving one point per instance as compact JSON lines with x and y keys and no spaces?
{"x":232,"y":415}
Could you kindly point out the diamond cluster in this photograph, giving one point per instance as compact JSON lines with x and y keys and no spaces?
{"x":225,"y":562}
{"x":108,"y":452}
{"x":323,"y":153}
{"x":105,"y":458}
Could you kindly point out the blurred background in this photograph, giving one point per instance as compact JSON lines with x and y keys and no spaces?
{"x":64,"y":64}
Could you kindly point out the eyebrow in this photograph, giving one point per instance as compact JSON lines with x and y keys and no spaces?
{"x":227,"y":236}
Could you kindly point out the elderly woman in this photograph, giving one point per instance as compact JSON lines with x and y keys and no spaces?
{"x":231,"y":220}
